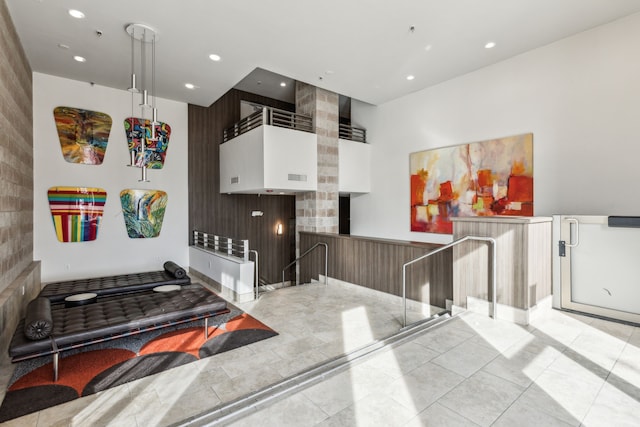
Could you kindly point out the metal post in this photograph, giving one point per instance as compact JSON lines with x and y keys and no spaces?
{"x":55,"y":366}
{"x":494,"y":297}
{"x":326,"y":264}
{"x":404,"y":295}
{"x":245,"y":250}
{"x":256,"y":273}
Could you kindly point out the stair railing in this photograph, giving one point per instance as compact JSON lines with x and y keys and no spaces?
{"x":256,"y":274}
{"x":443,"y":248}
{"x":307,"y":252}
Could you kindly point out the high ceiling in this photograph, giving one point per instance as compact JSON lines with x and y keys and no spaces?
{"x":364,"y":49}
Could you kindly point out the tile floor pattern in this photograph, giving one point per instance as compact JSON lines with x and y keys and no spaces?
{"x":563,"y":370}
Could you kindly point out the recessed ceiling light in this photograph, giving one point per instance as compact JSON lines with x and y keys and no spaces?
{"x":80,"y":58}
{"x":63,"y":46}
{"x":189,"y":85}
{"x":214,"y":57}
{"x":410,"y":77}
{"x":283,"y":84}
{"x":490,"y":45}
{"x":76,"y":13}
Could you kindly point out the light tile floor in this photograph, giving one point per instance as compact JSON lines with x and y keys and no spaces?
{"x":564,"y":369}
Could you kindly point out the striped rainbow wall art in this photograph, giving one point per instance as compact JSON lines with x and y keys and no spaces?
{"x":76,"y":212}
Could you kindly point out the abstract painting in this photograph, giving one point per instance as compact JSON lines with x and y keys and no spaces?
{"x":143,"y":212}
{"x":83,"y":134}
{"x":486,"y":178}
{"x":155,"y":151}
{"x":76,"y":212}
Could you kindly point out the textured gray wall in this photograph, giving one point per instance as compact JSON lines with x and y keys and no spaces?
{"x":16,"y":155}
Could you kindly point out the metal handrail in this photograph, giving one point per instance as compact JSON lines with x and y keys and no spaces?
{"x":352,"y":133}
{"x":269,"y":116}
{"x":256,"y":272}
{"x":326,"y":258}
{"x":445,"y":247}
{"x":223,"y":245}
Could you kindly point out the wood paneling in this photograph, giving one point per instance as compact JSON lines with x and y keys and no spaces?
{"x":230,"y":215}
{"x":377,"y":264}
{"x":523,"y":264}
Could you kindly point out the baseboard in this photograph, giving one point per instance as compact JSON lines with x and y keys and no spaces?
{"x":544,"y":306}
{"x":506,"y":312}
{"x":223,"y":291}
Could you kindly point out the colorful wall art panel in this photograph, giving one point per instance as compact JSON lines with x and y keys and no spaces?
{"x":484,"y":178}
{"x":76,"y":212}
{"x":155,"y":151}
{"x":83,"y":134}
{"x":143,"y":212}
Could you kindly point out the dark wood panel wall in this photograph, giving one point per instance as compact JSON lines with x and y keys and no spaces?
{"x":377,"y":264}
{"x":230,"y":214}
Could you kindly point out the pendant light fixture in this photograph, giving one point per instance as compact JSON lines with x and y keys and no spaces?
{"x":146,"y":36}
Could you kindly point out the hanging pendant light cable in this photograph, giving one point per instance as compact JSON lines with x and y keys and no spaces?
{"x":154,"y":111}
{"x":146,"y":35}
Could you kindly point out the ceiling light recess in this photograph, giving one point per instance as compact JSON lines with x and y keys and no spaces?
{"x":411,"y":77}
{"x":214,"y":57}
{"x":189,"y":86}
{"x":490,"y":45}
{"x":76,"y":13}
{"x":80,"y":58}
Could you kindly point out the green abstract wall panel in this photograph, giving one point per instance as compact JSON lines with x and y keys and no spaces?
{"x":143,"y":212}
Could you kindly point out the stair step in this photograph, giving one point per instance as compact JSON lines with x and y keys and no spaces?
{"x":247,"y":404}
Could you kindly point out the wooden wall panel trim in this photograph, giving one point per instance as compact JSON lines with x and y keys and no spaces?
{"x":523,"y":265}
{"x":377,"y":264}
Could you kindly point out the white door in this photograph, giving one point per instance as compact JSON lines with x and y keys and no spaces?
{"x":600,"y":265}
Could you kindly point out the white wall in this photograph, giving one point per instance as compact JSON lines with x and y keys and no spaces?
{"x":581,"y":99}
{"x":113,"y":252}
{"x":354,"y":166}
{"x":262,"y":160}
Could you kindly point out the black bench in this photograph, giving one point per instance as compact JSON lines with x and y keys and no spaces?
{"x":50,"y":328}
{"x":172,"y":274}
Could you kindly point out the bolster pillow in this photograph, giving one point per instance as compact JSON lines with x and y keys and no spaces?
{"x":38,"y":323}
{"x":175,"y":270}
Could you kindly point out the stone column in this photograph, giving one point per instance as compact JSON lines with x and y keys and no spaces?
{"x":318,"y":211}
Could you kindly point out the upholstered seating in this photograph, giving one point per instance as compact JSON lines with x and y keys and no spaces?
{"x":172,"y":274}
{"x":110,"y":317}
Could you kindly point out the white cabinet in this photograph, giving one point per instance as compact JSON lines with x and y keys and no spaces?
{"x":269,"y":160}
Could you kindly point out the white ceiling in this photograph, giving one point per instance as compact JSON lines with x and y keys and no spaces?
{"x":359,"y":48}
